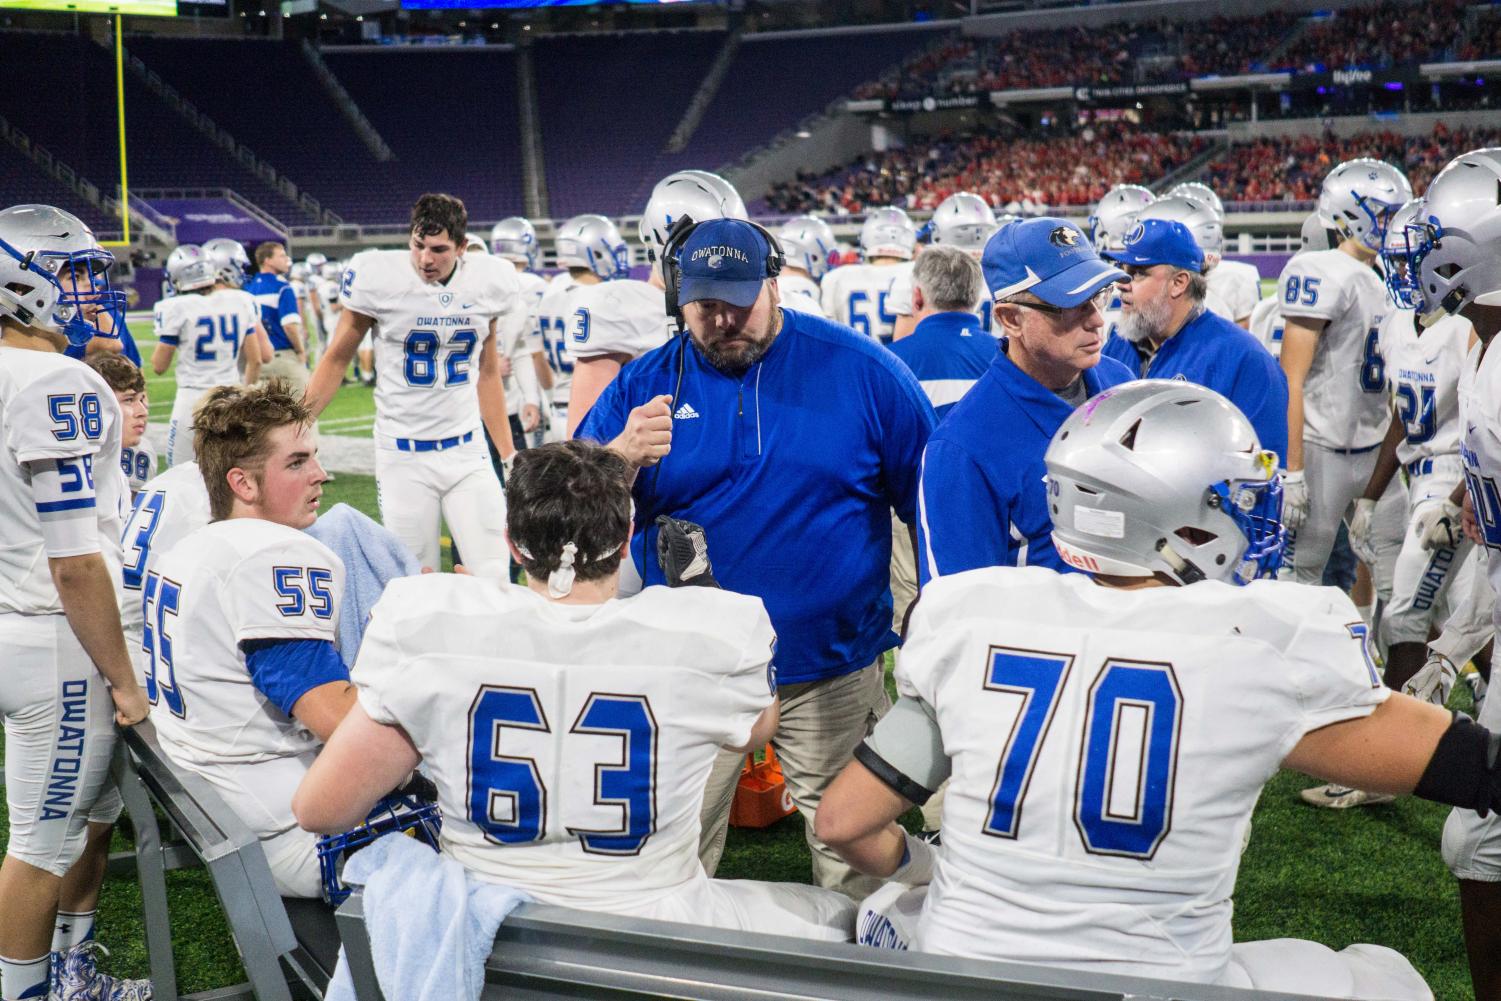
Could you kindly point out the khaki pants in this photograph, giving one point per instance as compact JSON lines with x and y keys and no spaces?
{"x":821,"y":724}
{"x":903,"y":572}
{"x":285,"y":365}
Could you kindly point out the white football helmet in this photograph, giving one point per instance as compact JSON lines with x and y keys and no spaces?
{"x":61,"y":242}
{"x":1201,"y":191}
{"x":299,"y":272}
{"x":1116,"y":213}
{"x":315,"y":260}
{"x":698,"y":194}
{"x":473,"y":244}
{"x":230,"y":260}
{"x":593,"y":242}
{"x":515,"y":240}
{"x":809,"y":243}
{"x":189,"y":268}
{"x":1456,"y":241}
{"x":1199,"y":216}
{"x":1315,"y":234}
{"x":1163,"y":476}
{"x":963,"y":220}
{"x":1359,"y":195}
{"x":888,"y":232}
{"x":332,"y":271}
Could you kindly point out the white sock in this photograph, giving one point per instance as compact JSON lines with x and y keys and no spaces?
{"x":72,"y":929}
{"x":24,"y":978}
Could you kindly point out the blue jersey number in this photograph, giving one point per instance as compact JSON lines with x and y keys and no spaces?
{"x":878,"y":325}
{"x":1038,"y":679}
{"x":161,"y":599}
{"x":136,"y":465}
{"x":73,"y":415}
{"x":553,"y":331}
{"x":1415,"y":406}
{"x":226,"y":330}
{"x":1485,"y":498}
{"x":1301,"y":291}
{"x":507,"y":798}
{"x":421,"y":357}
{"x":1372,"y":365}
{"x":149,"y":507}
{"x":304,"y":588}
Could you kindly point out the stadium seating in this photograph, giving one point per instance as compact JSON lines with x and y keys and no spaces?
{"x":1386,"y":34}
{"x":26,"y":182}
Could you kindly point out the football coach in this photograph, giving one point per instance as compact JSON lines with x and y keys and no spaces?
{"x":790,"y":439}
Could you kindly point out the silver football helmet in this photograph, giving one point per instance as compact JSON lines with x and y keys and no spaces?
{"x":1315,"y":234}
{"x":28,"y":291}
{"x":315,"y":260}
{"x":593,"y":242}
{"x":230,"y":259}
{"x":1201,"y":191}
{"x":699,"y":194}
{"x":515,"y":239}
{"x":1396,"y":253}
{"x":1199,"y":216}
{"x":963,"y":220}
{"x":888,"y":232}
{"x":474,"y":244}
{"x":63,"y":246}
{"x":1456,"y":241}
{"x":299,"y":272}
{"x":331,"y":271}
{"x":1162,"y":476}
{"x":1116,"y":213}
{"x":1359,"y":195}
{"x":189,"y":268}
{"x":809,"y":243}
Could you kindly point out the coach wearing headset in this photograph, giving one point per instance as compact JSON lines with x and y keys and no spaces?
{"x":791,"y":439}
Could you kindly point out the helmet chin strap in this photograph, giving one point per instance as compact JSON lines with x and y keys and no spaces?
{"x":1186,"y":571}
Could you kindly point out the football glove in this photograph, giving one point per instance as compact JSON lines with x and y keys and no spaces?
{"x":1433,"y":682}
{"x":1294,"y":500}
{"x":683,"y":553}
{"x":1438,"y":525}
{"x":1360,"y":531}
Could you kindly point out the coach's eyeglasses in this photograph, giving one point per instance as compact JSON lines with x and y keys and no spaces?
{"x":1100,"y":301}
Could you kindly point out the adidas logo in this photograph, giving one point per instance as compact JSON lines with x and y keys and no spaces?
{"x":684,"y":412}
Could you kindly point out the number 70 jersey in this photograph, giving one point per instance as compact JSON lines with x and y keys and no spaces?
{"x":428,"y":337}
{"x":1108,"y":748}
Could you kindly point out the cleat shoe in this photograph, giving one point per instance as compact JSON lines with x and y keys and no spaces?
{"x":1338,"y":797}
{"x":79,"y":978}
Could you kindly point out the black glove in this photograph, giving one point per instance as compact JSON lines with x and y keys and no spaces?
{"x":419,"y":787}
{"x":683,"y":553}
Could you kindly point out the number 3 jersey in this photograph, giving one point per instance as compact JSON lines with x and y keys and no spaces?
{"x":428,"y":337}
{"x":1108,"y":748}
{"x":570,"y":743}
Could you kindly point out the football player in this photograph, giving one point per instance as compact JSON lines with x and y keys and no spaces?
{"x":1266,"y":318}
{"x":137,"y":457}
{"x":857,"y":295}
{"x":63,"y":492}
{"x":1236,"y":285}
{"x":240,"y":621}
{"x":1105,"y":831}
{"x":433,"y":307}
{"x":515,"y":240}
{"x":809,"y":245}
{"x":586,"y":726}
{"x":962,"y":220}
{"x":215,"y":325}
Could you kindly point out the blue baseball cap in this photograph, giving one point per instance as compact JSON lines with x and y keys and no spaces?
{"x":1160,"y":241}
{"x":723,"y":259}
{"x":1049,"y":257}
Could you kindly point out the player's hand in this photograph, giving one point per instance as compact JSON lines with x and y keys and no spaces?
{"x":683,"y":553}
{"x":648,"y":433}
{"x":1438,"y":525}
{"x":130,"y":705}
{"x":1469,"y":523}
{"x":531,"y":416}
{"x":1294,"y":500}
{"x":1434,"y":680}
{"x":1361,"y":531}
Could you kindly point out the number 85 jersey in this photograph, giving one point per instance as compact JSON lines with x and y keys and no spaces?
{"x":1107,"y":750}
{"x":428,"y":337}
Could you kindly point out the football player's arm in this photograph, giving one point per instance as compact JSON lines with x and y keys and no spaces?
{"x":329,"y":375}
{"x":590,"y":377}
{"x":264,"y":340}
{"x":492,"y":396}
{"x":291,"y":322}
{"x":1300,"y":338}
{"x":161,"y":356}
{"x":304,"y":678}
{"x":763,"y":728}
{"x":544,"y":370}
{"x":361,"y":762}
{"x":524,"y":373}
{"x":250,"y":352}
{"x":1386,"y":461}
{"x":1388,"y":751}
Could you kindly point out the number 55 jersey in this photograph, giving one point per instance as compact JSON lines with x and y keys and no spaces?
{"x":1108,"y":747}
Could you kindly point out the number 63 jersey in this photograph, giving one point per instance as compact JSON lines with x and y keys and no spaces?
{"x":1108,"y":748}
{"x":428,"y":337}
{"x":570,"y":743}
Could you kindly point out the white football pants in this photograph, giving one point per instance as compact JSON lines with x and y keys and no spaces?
{"x":180,"y":425}
{"x":418,"y":491}
{"x":1335,"y":480}
{"x":1423,"y":579}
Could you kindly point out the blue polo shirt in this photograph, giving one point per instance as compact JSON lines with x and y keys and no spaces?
{"x":278,"y":302}
{"x":983,"y":502}
{"x":948,"y":352}
{"x":792,"y":469}
{"x":1119,"y":348}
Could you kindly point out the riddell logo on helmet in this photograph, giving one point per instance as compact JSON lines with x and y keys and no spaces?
{"x":1074,"y":559}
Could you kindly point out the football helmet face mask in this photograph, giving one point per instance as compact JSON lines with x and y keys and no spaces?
{"x":1201,"y":191}
{"x":65,"y":248}
{"x":515,"y":239}
{"x":1455,"y":243}
{"x":189,"y":268}
{"x":809,"y":243}
{"x":1116,"y":213}
{"x":1162,"y":476}
{"x":888,"y":232}
{"x":395,"y":814}
{"x":1359,"y":196}
{"x":1199,"y":216}
{"x":593,"y":242}
{"x":963,"y":220}
{"x":1396,"y":256}
{"x":698,"y":194}
{"x":230,"y":259}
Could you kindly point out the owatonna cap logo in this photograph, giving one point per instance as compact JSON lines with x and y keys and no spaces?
{"x":1064,"y":236}
{"x":1137,"y":232}
{"x":716,"y":261}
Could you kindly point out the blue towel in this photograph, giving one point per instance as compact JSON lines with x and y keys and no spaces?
{"x":373,"y":556}
{"x":431,"y":926}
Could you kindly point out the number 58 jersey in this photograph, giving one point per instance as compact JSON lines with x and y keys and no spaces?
{"x":428,"y":337}
{"x":1108,"y":748}
{"x":570,"y":743}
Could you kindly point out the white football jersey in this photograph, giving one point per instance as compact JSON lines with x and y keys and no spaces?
{"x":1423,"y":372}
{"x":138,"y":463}
{"x":1108,"y":748}
{"x":167,"y":509}
{"x":1235,"y":287}
{"x":1266,"y":324}
{"x":1480,"y":447}
{"x":619,"y":317}
{"x":428,"y":337}
{"x":1344,"y":393}
{"x":54,"y":409}
{"x":207,"y":331}
{"x":899,"y":302}
{"x":328,"y":297}
{"x":859,"y":296}
{"x":554,"y":316}
{"x":520,"y":336}
{"x":570,"y":743}
{"x":799,"y":293}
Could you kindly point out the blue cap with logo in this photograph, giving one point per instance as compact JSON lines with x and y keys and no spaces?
{"x":1160,"y":241}
{"x":723,"y":259}
{"x":1049,"y":257}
